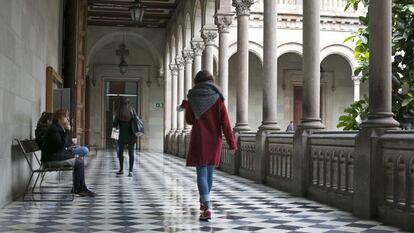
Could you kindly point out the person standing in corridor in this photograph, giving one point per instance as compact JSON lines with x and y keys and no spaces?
{"x":206,"y":112}
{"x":123,"y":121}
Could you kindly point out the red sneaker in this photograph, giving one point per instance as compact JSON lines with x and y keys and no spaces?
{"x":205,"y":215}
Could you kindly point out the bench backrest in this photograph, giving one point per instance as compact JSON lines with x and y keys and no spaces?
{"x":29,"y":148}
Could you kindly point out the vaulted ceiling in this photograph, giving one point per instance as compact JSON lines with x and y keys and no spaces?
{"x":116,"y":13}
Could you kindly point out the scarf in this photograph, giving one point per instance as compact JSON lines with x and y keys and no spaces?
{"x":203,"y":96}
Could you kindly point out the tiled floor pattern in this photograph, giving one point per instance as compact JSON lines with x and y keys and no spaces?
{"x":162,"y":197}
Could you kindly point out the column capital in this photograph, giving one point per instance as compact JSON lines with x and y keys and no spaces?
{"x":356,"y":78}
{"x":179,"y":60}
{"x":174,"y":69}
{"x":242,"y":6}
{"x":223,"y":22}
{"x":188,"y":56}
{"x":208,"y":35}
{"x":198,"y":47}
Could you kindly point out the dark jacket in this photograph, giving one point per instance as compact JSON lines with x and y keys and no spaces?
{"x":55,"y":144}
{"x":40,"y":132}
{"x":126,"y":135}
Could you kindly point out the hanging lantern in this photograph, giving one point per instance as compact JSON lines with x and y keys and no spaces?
{"x":137,"y":11}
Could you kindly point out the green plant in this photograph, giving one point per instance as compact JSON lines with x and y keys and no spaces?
{"x":403,"y":59}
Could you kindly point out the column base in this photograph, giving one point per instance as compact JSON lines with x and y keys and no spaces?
{"x":381,"y":120}
{"x":311,"y":123}
{"x":241,"y":127}
{"x":269,"y":126}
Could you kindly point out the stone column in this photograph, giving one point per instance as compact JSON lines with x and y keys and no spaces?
{"x":198,"y":48}
{"x":357,"y":87}
{"x":223,"y":22}
{"x":380,"y":70}
{"x":243,"y":12}
{"x":311,"y":66}
{"x":180,"y":93}
{"x":188,"y":60}
{"x":270,"y":66}
{"x":209,"y":35}
{"x":174,"y":74}
{"x":380,"y":117}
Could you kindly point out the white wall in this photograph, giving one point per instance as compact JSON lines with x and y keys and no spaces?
{"x":29,"y":35}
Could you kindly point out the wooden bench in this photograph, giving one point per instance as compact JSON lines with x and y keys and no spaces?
{"x":30,"y":148}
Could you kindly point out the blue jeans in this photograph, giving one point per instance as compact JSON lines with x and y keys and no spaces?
{"x":205,"y":181}
{"x":81,"y":151}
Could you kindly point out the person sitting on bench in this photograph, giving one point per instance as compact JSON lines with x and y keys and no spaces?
{"x":58,"y":151}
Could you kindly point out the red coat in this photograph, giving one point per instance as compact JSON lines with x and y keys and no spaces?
{"x":206,"y":134}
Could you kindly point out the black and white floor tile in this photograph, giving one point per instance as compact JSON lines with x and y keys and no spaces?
{"x":162,"y":197}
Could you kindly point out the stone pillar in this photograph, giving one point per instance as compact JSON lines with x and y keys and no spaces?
{"x":380,"y":70}
{"x":311,"y":120}
{"x":269,"y":123}
{"x":198,"y":48}
{"x":209,"y":35}
{"x":311,"y":66}
{"x":188,"y":60}
{"x":223,"y":22}
{"x":174,"y":74}
{"x":380,"y":117}
{"x":357,"y":88}
{"x":270,"y":66}
{"x":243,"y":13}
{"x":180,"y":93}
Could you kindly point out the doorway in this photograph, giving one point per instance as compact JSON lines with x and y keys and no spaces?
{"x":297,"y":105}
{"x":114,"y":90}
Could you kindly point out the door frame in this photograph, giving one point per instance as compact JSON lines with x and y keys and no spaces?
{"x":103,"y":115}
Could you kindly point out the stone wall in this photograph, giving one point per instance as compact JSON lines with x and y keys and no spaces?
{"x":29,"y":42}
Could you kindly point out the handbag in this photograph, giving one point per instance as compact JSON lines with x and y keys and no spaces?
{"x":137,"y":125}
{"x":115,"y":134}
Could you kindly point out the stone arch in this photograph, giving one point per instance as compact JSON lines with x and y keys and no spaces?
{"x":209,"y":11}
{"x":173,"y":49}
{"x":341,"y":50}
{"x":179,"y":41}
{"x":197,"y":20}
{"x":187,"y":31}
{"x":254,"y":47}
{"x":130,"y":37}
{"x":290,"y":47}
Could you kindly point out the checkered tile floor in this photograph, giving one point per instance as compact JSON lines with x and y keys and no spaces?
{"x":162,"y":197}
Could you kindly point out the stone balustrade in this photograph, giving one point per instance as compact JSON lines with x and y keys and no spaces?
{"x":395,"y":177}
{"x":330,"y":168}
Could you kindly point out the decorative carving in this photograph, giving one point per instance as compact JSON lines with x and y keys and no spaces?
{"x":174,"y":70}
{"x":223,"y":22}
{"x":243,"y":6}
{"x":198,"y":47}
{"x":188,"y":56}
{"x":180,"y":62}
{"x":208,"y":35}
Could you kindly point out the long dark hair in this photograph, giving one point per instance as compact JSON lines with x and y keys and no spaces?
{"x":202,"y":76}
{"x":124,"y":109}
{"x":45,"y":119}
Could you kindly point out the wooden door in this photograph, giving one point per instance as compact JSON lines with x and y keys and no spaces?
{"x":75,"y":63}
{"x":297,"y":105}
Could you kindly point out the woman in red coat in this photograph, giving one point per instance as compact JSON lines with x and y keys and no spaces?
{"x":205,"y":110}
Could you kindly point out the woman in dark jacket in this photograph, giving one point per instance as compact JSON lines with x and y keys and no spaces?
{"x":42,"y":126}
{"x":57,"y":151}
{"x":205,"y":110}
{"x":123,"y":121}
